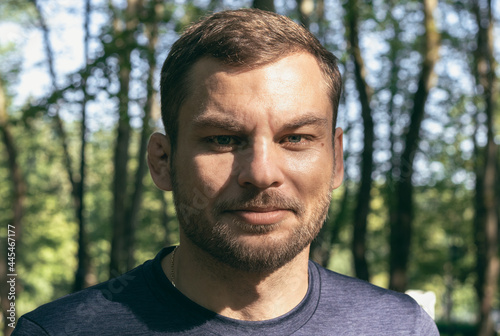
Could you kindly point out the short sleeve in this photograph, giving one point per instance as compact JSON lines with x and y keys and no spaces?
{"x":26,"y":327}
{"x":426,"y":325}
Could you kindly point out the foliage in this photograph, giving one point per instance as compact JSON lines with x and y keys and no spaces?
{"x":442,"y":251}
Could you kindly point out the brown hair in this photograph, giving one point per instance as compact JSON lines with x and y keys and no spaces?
{"x":245,"y":38}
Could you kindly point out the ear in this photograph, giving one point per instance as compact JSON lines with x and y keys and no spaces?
{"x":338,"y":159}
{"x":159,"y":156}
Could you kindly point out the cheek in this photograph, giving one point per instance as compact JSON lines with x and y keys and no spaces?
{"x":312,"y":171}
{"x":312,"y":161}
{"x":212,"y":172}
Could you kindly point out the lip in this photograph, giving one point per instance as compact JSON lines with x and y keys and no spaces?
{"x":260,"y":216}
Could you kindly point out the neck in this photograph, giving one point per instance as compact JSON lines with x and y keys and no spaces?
{"x":235,"y":293}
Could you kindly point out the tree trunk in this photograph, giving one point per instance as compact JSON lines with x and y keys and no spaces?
{"x":82,"y":273}
{"x":395,"y":47}
{"x":124,"y":43}
{"x":267,"y":5}
{"x":305,"y":9}
{"x":401,"y":230}
{"x":321,"y":247}
{"x":19,"y":195}
{"x":363,"y":198}
{"x":133,"y":212}
{"x":59,"y":128}
{"x":486,"y":219}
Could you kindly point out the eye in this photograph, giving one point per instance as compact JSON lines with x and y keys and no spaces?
{"x":223,"y":140}
{"x":297,"y":141}
{"x":295,"y":138}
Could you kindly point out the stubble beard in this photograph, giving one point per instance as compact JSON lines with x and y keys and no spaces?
{"x":208,"y":231}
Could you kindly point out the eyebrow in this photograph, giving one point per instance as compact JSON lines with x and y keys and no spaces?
{"x":306,"y":120}
{"x":219,"y":121}
{"x":230,"y":124}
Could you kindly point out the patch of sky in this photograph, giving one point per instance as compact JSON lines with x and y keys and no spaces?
{"x":382,"y":156}
{"x":449,"y":135}
{"x":459,"y":177}
{"x":437,"y":170}
{"x":380,"y":9}
{"x":373,"y":48}
{"x":481,"y":136}
{"x":421,"y":171}
{"x":467,"y":145}
{"x":352,"y":168}
{"x":356,"y":139}
{"x":382,"y":130}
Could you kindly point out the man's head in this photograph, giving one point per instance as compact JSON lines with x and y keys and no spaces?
{"x":256,"y":155}
{"x":241,"y":39}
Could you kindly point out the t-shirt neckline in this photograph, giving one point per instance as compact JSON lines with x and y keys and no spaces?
{"x":215,"y":323}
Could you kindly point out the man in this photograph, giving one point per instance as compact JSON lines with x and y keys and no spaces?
{"x":252,"y":155}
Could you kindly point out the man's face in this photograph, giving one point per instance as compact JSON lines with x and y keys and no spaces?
{"x":254,"y":165}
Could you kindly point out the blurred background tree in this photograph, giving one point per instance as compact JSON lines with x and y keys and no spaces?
{"x":420,"y":109}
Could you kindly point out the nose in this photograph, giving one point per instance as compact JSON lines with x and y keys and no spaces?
{"x":260,"y":166}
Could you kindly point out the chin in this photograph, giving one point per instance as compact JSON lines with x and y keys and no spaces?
{"x":259,"y":253}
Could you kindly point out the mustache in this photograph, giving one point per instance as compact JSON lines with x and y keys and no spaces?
{"x":260,"y":199}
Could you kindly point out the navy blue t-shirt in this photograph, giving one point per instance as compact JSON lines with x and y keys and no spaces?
{"x":144,"y":302}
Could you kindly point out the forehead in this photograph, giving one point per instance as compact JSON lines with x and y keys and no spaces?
{"x":287,"y":88}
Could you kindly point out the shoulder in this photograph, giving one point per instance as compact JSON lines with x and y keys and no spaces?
{"x":87,"y":308}
{"x":369,"y":307}
{"x":354,"y":291}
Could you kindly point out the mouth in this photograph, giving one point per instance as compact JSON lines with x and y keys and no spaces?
{"x":260,"y":216}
